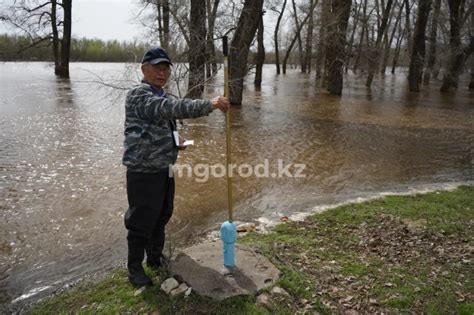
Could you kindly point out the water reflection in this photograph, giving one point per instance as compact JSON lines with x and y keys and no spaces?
{"x":62,"y":194}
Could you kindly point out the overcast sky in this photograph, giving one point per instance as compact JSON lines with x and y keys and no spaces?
{"x":103,"y":19}
{"x":115,"y":19}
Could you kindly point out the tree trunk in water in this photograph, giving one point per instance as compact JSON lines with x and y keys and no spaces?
{"x":392,"y":36}
{"x":309,"y":41}
{"x":398,"y":47}
{"x":362,"y":34}
{"x":260,"y":55}
{"x":239,"y":48}
{"x":335,"y":49}
{"x":375,"y":54}
{"x":197,"y":49}
{"x":320,"y":57}
{"x":456,"y":58}
{"x":386,"y":48}
{"x":298,"y":36}
{"x":351,"y":41}
{"x":298,"y":31}
{"x":275,"y":37}
{"x":63,"y":70}
{"x":432,"y":40}
{"x":407,"y":24}
{"x":417,"y":60}
{"x":211,"y":66}
{"x":54,"y":25}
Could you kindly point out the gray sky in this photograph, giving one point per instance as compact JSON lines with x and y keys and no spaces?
{"x":115,"y":19}
{"x":103,"y":19}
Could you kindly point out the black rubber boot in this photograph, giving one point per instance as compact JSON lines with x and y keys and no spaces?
{"x":136,"y":274}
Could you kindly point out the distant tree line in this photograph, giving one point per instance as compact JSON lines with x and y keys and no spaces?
{"x":434,"y":38}
{"x":12,"y":48}
{"x":326,"y":37}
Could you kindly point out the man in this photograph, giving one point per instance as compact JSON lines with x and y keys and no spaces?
{"x":151,"y":147}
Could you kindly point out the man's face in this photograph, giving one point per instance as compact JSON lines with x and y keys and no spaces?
{"x":157,"y":75}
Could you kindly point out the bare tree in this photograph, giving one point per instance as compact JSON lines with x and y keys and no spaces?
{"x":275,"y":35}
{"x":197,"y":49}
{"x":363,"y":34}
{"x":375,"y":53}
{"x":432,"y":41}
{"x":408,"y":23}
{"x":44,"y":22}
{"x":354,"y":29}
{"x":298,"y":37}
{"x":161,"y":16}
{"x":298,"y":31}
{"x":211,"y":50}
{"x":388,"y":47}
{"x":398,"y":47}
{"x":415,"y":74}
{"x":458,"y":54}
{"x":335,"y":49}
{"x":240,"y":45}
{"x":385,"y":47}
{"x":321,"y":54}
{"x":260,"y":58}
{"x":63,"y":70}
{"x":309,"y":43}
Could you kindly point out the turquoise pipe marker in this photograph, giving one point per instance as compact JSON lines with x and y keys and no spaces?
{"x":228,"y":237}
{"x":228,"y":228}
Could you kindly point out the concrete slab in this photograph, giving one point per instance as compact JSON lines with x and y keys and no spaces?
{"x":201,"y":267}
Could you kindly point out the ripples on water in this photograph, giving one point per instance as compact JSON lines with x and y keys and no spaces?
{"x":62,"y":184}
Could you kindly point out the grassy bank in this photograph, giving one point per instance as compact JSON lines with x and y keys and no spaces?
{"x":400,"y":254}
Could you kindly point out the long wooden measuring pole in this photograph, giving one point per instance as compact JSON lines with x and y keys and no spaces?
{"x":227,"y":128}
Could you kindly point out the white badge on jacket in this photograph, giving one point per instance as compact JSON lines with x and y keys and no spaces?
{"x":176,"y":137}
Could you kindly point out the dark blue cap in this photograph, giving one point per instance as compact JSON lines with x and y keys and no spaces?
{"x":155,"y":56}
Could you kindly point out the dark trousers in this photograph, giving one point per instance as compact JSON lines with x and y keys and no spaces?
{"x":150,"y":200}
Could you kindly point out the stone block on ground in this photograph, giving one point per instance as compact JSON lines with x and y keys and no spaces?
{"x":201,"y":267}
{"x":169,"y":285}
{"x":179,"y":290}
{"x":279,"y":291}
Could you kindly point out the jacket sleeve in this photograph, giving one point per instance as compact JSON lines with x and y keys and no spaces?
{"x":149,"y":106}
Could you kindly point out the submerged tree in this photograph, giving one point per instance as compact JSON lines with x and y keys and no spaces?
{"x":458,"y":53}
{"x":211,"y":49}
{"x":431,"y":58}
{"x":297,"y":35}
{"x":375,"y":51}
{"x":275,"y":35}
{"x":44,"y":22}
{"x":260,"y":58}
{"x":308,"y":57}
{"x":418,"y":51}
{"x":335,"y":48}
{"x":239,"y":48}
{"x":197,"y":49}
{"x":323,"y":24}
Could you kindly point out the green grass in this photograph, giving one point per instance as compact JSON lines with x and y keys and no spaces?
{"x":328,"y":259}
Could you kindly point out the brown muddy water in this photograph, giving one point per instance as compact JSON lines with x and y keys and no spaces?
{"x":62,"y":195}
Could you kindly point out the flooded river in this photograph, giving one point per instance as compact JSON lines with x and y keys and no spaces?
{"x":62,"y":188}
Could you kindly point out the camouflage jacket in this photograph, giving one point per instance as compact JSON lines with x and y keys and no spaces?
{"x":149,"y":124}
